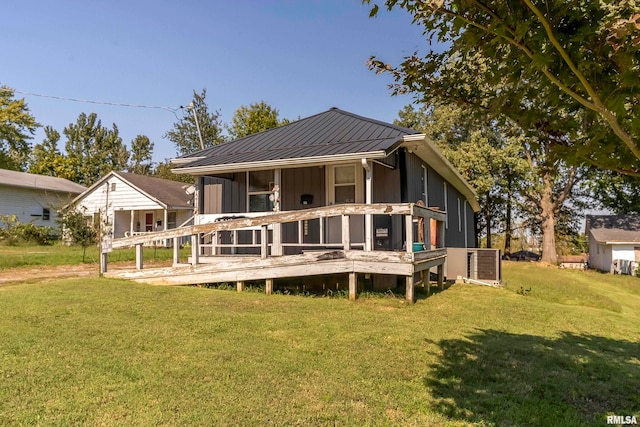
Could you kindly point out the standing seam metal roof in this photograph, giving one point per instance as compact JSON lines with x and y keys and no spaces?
{"x":332,"y":132}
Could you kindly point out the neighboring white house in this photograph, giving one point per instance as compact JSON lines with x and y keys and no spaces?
{"x":136,"y":203}
{"x":614,"y":242}
{"x":35,"y":198}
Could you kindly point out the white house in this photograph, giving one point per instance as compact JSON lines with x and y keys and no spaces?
{"x":614,"y":242}
{"x":137,"y":204}
{"x":35,"y":198}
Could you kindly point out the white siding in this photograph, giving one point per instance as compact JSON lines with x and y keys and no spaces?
{"x":124,"y":197}
{"x":623,"y":252}
{"x":22,"y":202}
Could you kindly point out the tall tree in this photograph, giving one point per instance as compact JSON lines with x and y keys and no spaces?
{"x":46,"y":158}
{"x":255,"y":118}
{"x":141,"y":155}
{"x":531,"y":47}
{"x":93,"y":150}
{"x":187,"y":131}
{"x":17,"y":126}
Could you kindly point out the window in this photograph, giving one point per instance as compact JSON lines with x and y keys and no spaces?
{"x":46,"y":214}
{"x":113,"y":186}
{"x":446,"y":207}
{"x":423,"y":186}
{"x":459,"y":217}
{"x":172,"y":219}
{"x":345,"y":184}
{"x":260,"y":186}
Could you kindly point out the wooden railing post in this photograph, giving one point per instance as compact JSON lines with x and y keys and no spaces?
{"x":408,"y":221}
{"x":195,"y":249}
{"x":176,"y":251}
{"x":264,"y":241}
{"x":346,"y":234}
{"x":139,"y":257}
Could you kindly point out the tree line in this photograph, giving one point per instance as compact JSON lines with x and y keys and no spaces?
{"x":537,"y":103}
{"x":91,"y":149}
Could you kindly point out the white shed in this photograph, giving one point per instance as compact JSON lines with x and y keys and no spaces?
{"x":35,"y":198}
{"x":614,"y":242}
{"x":137,"y":204}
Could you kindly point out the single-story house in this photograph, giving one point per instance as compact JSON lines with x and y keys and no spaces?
{"x":35,"y":198}
{"x":137,"y":204}
{"x":614,"y":242}
{"x":332,"y":158}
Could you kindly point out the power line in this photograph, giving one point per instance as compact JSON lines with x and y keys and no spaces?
{"x":87,"y":101}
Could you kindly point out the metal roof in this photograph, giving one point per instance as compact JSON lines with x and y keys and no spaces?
{"x":331,"y":133}
{"x":614,"y":228}
{"x":39,"y":182}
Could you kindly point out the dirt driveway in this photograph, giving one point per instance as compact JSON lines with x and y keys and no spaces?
{"x":46,"y":273}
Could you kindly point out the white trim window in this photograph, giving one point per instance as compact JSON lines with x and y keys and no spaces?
{"x":459,"y":217}
{"x":446,"y":205}
{"x":424,"y":182}
{"x":259,"y":189}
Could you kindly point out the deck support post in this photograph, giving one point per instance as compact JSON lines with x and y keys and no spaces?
{"x":441,"y":277}
{"x":103,"y":262}
{"x":409,"y":293}
{"x":139,"y":257}
{"x":195,"y":249}
{"x":176,"y":251}
{"x":240,"y":285}
{"x":264,"y":242}
{"x":268,"y":286}
{"x":353,"y":286}
{"x":346,"y":234}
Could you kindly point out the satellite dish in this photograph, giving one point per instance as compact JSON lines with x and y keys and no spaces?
{"x":190,"y":190}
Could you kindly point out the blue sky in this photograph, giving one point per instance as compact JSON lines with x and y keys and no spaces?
{"x":301,"y":57}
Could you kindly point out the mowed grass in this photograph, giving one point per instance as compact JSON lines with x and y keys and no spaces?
{"x":110,"y":352}
{"x":59,"y":254}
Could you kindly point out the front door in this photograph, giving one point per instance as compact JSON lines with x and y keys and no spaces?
{"x":345,"y":185}
{"x":148,"y":221}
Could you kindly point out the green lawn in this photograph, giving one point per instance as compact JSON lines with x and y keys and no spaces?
{"x":110,"y":352}
{"x":59,"y":254}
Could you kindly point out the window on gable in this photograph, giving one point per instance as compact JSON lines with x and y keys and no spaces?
{"x":113,"y":186}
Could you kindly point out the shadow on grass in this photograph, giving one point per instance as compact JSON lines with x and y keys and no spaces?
{"x":497,"y":378}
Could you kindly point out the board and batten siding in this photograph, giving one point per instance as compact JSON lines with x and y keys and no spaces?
{"x":28,"y":204}
{"x":460,"y":231}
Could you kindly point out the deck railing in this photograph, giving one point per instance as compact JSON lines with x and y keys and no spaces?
{"x":268,"y":230}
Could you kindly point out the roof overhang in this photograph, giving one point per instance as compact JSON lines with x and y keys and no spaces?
{"x":424,"y":148}
{"x":279,"y":163}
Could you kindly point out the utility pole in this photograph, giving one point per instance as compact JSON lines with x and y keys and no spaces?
{"x":195,"y":116}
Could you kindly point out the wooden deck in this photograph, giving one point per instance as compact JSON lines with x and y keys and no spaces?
{"x":270,"y":264}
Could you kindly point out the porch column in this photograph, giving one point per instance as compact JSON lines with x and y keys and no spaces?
{"x":441,"y":277}
{"x":164,"y":220}
{"x":368,"y":194}
{"x":276,"y":247}
{"x":131,"y":224}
